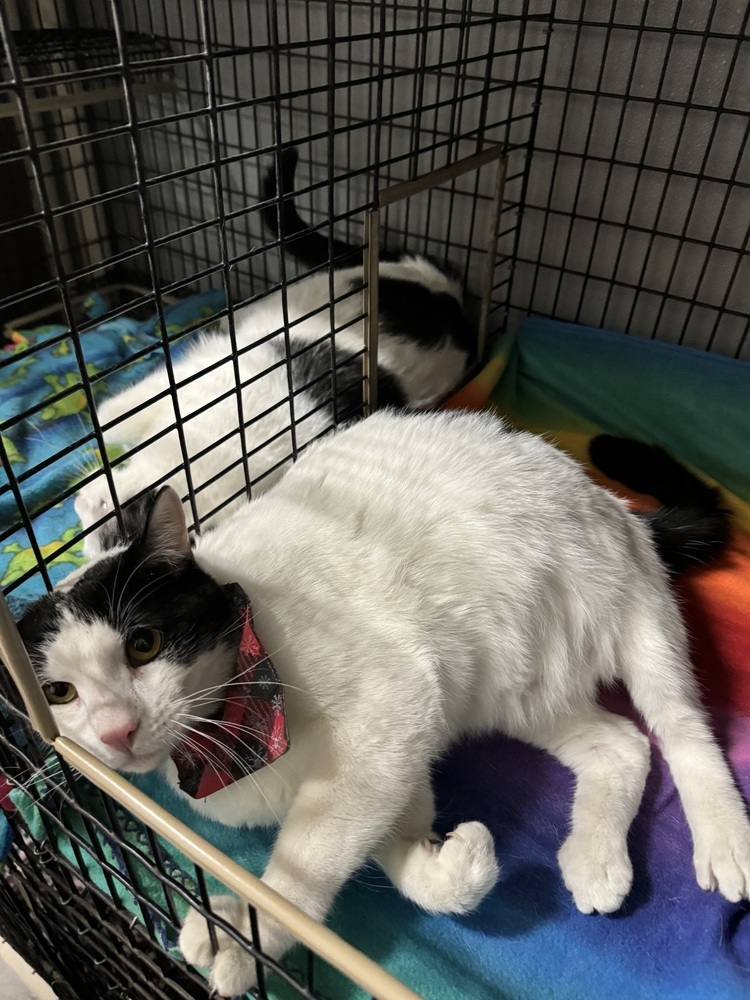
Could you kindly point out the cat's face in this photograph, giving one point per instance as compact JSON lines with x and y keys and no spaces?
{"x":133,"y":644}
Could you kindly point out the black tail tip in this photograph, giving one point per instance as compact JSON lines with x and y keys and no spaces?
{"x":692,"y":527}
{"x":688,"y":537}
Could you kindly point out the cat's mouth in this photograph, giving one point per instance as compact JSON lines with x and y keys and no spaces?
{"x":142,"y":763}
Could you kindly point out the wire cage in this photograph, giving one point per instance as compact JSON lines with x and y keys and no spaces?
{"x":135,"y":138}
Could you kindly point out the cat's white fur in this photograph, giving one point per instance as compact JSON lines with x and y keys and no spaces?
{"x":425,"y":376}
{"x":418,"y":579}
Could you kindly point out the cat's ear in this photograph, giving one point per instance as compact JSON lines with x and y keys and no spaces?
{"x":165,"y":536}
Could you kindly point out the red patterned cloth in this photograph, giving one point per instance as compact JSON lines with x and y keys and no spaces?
{"x":251,"y":730}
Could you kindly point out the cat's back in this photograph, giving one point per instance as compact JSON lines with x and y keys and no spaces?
{"x":428,"y":489}
{"x":482,"y":551}
{"x":421,"y":465}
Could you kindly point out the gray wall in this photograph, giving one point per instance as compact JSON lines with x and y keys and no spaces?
{"x":638,"y":210}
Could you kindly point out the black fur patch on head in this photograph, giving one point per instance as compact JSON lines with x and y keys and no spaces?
{"x":40,"y":623}
{"x":134,"y":516}
{"x":128,"y":590}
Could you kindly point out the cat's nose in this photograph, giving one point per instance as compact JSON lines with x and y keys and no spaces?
{"x":121,"y":737}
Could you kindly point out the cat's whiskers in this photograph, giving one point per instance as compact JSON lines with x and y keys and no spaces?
{"x":374,"y":880}
{"x":84,"y":467}
{"x":241,"y":765}
{"x":211,"y":689}
{"x":230,"y":728}
{"x":122,"y":616}
{"x":215,"y":763}
{"x":50,"y":769}
{"x":81,"y":466}
{"x":233,"y":627}
{"x":208,"y":697}
{"x":195,"y":695}
{"x":108,"y":595}
{"x":205,"y":696}
{"x":211,"y":759}
{"x":125,"y":587}
{"x":97,"y":461}
{"x":34,"y":781}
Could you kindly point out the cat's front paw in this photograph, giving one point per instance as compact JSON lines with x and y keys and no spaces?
{"x":232,"y":968}
{"x":597,"y":874}
{"x":92,"y":502}
{"x":722,"y":859}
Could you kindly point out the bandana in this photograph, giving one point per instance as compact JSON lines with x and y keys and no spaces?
{"x":251,"y":730}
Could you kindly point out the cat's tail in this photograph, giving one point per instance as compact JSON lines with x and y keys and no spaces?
{"x":310,"y":248}
{"x":691,"y":527}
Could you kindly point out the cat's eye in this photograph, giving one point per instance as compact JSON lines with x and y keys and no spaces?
{"x":142,"y":645}
{"x":59,"y":692}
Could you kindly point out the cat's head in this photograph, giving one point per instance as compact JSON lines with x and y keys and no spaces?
{"x":131,"y":645}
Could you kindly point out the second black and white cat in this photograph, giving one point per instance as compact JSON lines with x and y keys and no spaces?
{"x":424,"y":347}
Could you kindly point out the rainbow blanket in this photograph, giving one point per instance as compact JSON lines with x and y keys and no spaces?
{"x":527,"y":941}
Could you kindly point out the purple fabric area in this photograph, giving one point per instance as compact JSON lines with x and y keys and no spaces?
{"x":670,"y":939}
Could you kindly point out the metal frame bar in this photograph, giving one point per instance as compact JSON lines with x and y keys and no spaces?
{"x":402,"y":192}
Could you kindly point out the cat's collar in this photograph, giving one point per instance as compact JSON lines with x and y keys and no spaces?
{"x":251,"y":730}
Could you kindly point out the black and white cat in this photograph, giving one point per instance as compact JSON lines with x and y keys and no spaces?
{"x":424,"y":348}
{"x":418,"y":578}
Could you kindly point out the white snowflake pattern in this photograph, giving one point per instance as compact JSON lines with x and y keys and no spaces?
{"x":276,"y":743}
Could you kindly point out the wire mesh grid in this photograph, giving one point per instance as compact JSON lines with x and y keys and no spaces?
{"x":635,"y":214}
{"x":213,"y":176}
{"x":135,"y":139}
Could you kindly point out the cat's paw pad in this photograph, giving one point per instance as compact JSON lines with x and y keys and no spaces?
{"x":598,"y":876}
{"x":232,"y":968}
{"x":722,"y":860}
{"x":458,"y":874}
{"x":92,"y":503}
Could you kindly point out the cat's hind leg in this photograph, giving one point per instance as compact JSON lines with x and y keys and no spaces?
{"x":659,"y":677}
{"x":610,"y":760}
{"x":452,"y":876}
